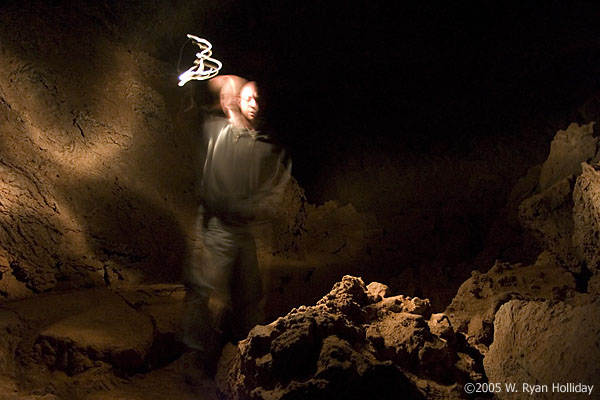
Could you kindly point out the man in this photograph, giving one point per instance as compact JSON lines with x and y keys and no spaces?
{"x":243,"y":179}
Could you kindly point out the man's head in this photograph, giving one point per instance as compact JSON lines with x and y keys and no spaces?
{"x":249,"y":102}
{"x":227,"y":87}
{"x":230,"y":92}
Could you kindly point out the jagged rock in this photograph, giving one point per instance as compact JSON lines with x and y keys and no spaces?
{"x":440,"y":325}
{"x":563,"y":218}
{"x":351,"y":341}
{"x":474,"y":307}
{"x":85,"y":341}
{"x":378,"y":290}
{"x":544,"y":342}
{"x":568,"y":150}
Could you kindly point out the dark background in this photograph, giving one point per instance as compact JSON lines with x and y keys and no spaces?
{"x":432,"y":77}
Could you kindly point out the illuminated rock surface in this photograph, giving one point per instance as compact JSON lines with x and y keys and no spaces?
{"x":473,"y":310}
{"x":352,"y":341}
{"x":539,"y":324}
{"x":562,"y":216}
{"x":545,"y":342}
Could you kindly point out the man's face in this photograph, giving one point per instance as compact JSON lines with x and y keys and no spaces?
{"x":249,"y":102}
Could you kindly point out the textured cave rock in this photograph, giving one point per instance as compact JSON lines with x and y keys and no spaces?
{"x":586,"y":229}
{"x":352,"y":342}
{"x":542,"y":342}
{"x":540,"y":323}
{"x":562,"y":217}
{"x":96,"y":181}
{"x":568,"y":150}
{"x":111,"y":332}
{"x":474,"y":307}
{"x":91,"y":335}
{"x":92,"y":171}
{"x":548,"y":218}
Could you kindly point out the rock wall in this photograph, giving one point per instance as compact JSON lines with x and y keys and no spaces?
{"x":96,"y":179}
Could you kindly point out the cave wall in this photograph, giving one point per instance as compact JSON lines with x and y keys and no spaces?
{"x":97,"y":179}
{"x":97,"y":182}
{"x":98,"y":164}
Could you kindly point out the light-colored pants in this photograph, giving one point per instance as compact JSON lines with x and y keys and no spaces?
{"x":223,"y":287}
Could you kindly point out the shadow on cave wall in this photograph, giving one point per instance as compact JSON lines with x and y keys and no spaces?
{"x":129,"y":234}
{"x":96,"y":177}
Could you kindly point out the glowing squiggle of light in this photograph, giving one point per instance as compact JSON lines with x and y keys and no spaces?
{"x":205,"y":67}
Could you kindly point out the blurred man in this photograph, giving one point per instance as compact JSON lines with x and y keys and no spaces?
{"x":242,"y":182}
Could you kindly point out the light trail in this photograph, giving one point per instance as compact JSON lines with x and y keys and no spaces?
{"x":205,"y":67}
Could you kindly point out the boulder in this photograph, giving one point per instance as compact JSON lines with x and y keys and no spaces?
{"x":545,"y":342}
{"x":474,"y":307}
{"x":85,"y":341}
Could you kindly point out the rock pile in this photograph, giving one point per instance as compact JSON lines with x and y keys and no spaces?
{"x":354,"y":341}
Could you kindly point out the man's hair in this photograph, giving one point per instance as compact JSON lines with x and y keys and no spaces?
{"x":252,"y":84}
{"x":230,"y":92}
